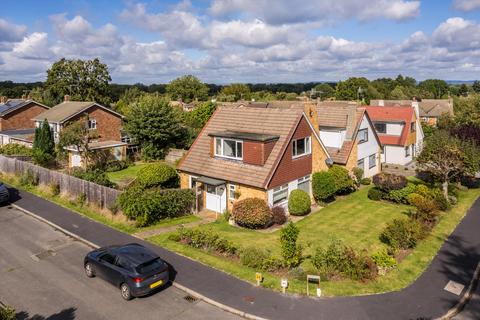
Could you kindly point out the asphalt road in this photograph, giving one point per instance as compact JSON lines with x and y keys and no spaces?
{"x":41,"y":272}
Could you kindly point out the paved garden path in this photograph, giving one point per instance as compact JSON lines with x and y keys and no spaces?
{"x":425,"y":298}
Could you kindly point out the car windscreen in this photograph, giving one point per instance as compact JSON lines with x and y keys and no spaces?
{"x":150,"y":266}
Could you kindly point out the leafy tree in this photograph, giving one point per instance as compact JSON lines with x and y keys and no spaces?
{"x":406,"y":82}
{"x":398,"y":93}
{"x":324,"y":91}
{"x":155,"y":125}
{"x":447,"y":157}
{"x":291,"y":251}
{"x":476,"y":86}
{"x":356,"y":89}
{"x":433,"y":88}
{"x":238,"y":91}
{"x":81,"y":79}
{"x":76,"y":134}
{"x":128,"y":97}
{"x":188,"y":88}
{"x":463,"y":90}
{"x":196,"y":119}
{"x":43,"y":149}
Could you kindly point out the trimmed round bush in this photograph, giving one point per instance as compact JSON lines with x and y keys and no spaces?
{"x":388,"y":182}
{"x":343,"y":182}
{"x":366,"y":181}
{"x":279,"y":215}
{"x":323,"y":186}
{"x":252,"y":213}
{"x":299,"y":203}
{"x":157,"y":175}
{"x":375,"y":194}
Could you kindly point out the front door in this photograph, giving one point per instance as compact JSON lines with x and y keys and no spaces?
{"x":216,"y":198}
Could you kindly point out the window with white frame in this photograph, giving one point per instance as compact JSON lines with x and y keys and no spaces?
{"x":304,"y":184}
{"x":363,"y":135}
{"x":280,"y":194}
{"x":407,"y":151}
{"x":301,"y":147}
{"x":92,"y":124}
{"x":361,"y":164}
{"x":381,"y":127}
{"x":229,"y":148}
{"x":372,"y":161}
{"x":231,"y":191}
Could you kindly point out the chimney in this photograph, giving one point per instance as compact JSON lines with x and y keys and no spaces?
{"x":66,"y":98}
{"x":310,"y":110}
{"x":24,"y":96}
{"x":3,"y":99}
{"x":381,"y":103}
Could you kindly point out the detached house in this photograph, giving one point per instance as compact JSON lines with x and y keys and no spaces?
{"x":16,"y":125}
{"x":245,"y":152}
{"x":398,"y":131}
{"x":106,"y":123}
{"x":348,"y":134}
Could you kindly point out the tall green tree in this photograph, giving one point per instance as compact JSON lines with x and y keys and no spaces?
{"x":128,"y":97}
{"x":463,"y":90}
{"x":324,"y":91}
{"x":76,"y":134}
{"x":433,"y":88}
{"x":85,"y":80}
{"x":187,"y":88}
{"x":356,"y":89}
{"x":237,"y":91}
{"x":155,"y":125}
{"x":476,"y":86}
{"x":43,"y":150}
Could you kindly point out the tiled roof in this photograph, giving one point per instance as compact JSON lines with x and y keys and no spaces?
{"x":14,"y":104}
{"x":65,"y":110}
{"x":427,"y":107}
{"x":402,"y":114}
{"x":278,"y":122}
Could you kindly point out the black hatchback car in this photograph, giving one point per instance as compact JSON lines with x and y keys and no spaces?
{"x":132,"y":268}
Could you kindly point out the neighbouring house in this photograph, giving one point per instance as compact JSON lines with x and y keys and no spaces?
{"x":397,"y":128}
{"x":247,"y":152}
{"x":430,"y":110}
{"x":16,"y":125}
{"x":187,"y":107}
{"x":347,"y":132}
{"x":106,"y":123}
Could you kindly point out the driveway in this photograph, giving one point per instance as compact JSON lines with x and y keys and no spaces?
{"x":42,"y":277}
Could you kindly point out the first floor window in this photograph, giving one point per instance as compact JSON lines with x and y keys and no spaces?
{"x":362,"y":135}
{"x":304,"y":184}
{"x":280,"y":194}
{"x":372,"y":161}
{"x":301,"y":147}
{"x":407,"y":151}
{"x":231,"y":191}
{"x":229,"y":148}
{"x":92,"y":124}
{"x":361,"y":164}
{"x":381,"y":127}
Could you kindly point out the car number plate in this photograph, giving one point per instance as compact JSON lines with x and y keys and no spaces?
{"x":156,"y":284}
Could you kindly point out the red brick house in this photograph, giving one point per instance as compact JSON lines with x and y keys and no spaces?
{"x":104,"y":121}
{"x":245,"y":152}
{"x":16,"y":124}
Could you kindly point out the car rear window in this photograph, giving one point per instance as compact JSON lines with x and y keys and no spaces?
{"x":150,"y":266}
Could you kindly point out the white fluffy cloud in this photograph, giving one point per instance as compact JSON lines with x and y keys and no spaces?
{"x":466,"y":5}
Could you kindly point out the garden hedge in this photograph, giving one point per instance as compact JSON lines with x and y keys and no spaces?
{"x":157,"y":175}
{"x":323,"y":186}
{"x":252,"y":213}
{"x":343,"y":182}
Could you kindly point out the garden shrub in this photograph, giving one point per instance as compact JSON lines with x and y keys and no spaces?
{"x":226,"y":215}
{"x":400,"y":195}
{"x":116,"y":165}
{"x":366,"y":181}
{"x":427,"y":209}
{"x":413,"y":198}
{"x":388,"y":182}
{"x":15,"y":149}
{"x":453,"y":189}
{"x":157,"y":175}
{"x":375,"y":194}
{"x":299,"y":203}
{"x":452,"y":200}
{"x":29,"y":179}
{"x":323,"y":186}
{"x":54,"y":189}
{"x":7,"y":313}
{"x":358,"y":173}
{"x":114,"y":208}
{"x":403,"y":233}
{"x":343,"y":182}
{"x":422,"y":190}
{"x":439,"y":198}
{"x":97,"y":176}
{"x":279,"y":215}
{"x":291,"y":251}
{"x":383,"y":259}
{"x":81,"y":199}
{"x":252,"y":213}
{"x":205,"y":240}
{"x":260,"y":259}
{"x":151,"y":205}
{"x":470,"y":182}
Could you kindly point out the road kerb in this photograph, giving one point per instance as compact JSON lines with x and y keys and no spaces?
{"x":175,"y":284}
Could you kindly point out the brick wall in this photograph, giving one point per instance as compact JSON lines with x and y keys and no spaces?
{"x":290,"y":169}
{"x":108,"y":124}
{"x":21,"y":118}
{"x":245,"y":192}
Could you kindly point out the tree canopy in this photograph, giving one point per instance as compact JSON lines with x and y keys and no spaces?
{"x":235,"y":92}
{"x":187,"y":88}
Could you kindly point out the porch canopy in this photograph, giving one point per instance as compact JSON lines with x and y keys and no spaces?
{"x":210,"y":181}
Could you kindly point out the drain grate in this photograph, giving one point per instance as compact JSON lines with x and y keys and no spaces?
{"x":190,"y":298}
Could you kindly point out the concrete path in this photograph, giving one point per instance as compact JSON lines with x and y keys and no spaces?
{"x":43,"y":278}
{"x":425,"y":298}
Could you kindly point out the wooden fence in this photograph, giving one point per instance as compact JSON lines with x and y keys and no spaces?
{"x":94,"y":193}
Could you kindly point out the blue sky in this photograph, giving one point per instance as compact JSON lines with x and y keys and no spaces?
{"x":223,"y":41}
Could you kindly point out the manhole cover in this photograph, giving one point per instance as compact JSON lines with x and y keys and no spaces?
{"x":190,"y":298}
{"x":454,"y":287}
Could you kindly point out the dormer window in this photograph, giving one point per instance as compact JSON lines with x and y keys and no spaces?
{"x":301,"y":147}
{"x":229,"y":148}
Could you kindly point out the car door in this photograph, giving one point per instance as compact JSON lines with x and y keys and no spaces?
{"x":105,"y":266}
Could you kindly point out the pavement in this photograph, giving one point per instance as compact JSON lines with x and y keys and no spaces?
{"x":425,"y":298}
{"x":43,"y":278}
{"x":472,"y":309}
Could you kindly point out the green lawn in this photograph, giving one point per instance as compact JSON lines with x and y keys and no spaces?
{"x":354,"y":219}
{"x":125,"y":176}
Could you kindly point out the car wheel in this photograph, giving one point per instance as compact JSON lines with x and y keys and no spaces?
{"x":89,"y":270}
{"x":125,"y":291}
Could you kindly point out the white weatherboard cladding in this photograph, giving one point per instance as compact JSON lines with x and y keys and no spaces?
{"x":396,"y":155}
{"x":394,"y":129}
{"x":332,"y":138}
{"x":366,"y":149}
